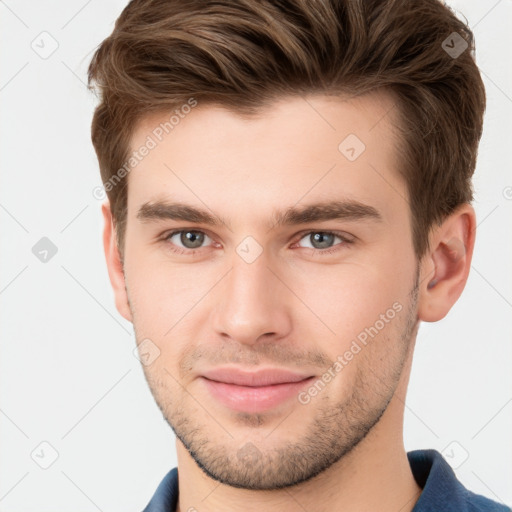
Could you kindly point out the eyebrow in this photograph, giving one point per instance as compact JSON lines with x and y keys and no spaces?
{"x":349,"y":210}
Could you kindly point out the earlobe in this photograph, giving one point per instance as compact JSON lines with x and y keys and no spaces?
{"x":114,"y":264}
{"x":446,"y":267}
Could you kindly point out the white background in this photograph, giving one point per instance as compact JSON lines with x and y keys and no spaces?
{"x":68,"y":374}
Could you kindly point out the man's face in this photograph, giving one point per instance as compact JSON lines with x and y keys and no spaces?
{"x":250,"y":294}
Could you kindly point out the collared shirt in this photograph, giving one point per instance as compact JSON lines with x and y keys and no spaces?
{"x":442,"y":492}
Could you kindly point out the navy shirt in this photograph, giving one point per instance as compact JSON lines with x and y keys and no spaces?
{"x":442,"y":492}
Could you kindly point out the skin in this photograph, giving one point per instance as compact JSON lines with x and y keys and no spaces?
{"x":290,"y":308}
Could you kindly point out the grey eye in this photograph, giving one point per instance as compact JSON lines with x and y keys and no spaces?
{"x":188,"y":239}
{"x":320,"y":239}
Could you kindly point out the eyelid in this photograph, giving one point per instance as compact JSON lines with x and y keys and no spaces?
{"x":298,"y":236}
{"x":342,"y":234}
{"x":346,"y":242}
{"x":346,"y":238}
{"x":168,"y":234}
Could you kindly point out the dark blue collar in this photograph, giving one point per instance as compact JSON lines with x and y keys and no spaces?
{"x":441,"y":489}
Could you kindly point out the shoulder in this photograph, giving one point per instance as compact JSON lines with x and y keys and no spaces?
{"x":441,"y":488}
{"x":478,"y":503}
{"x":166,"y":494}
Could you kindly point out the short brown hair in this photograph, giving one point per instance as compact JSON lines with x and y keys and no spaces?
{"x":243,"y":54}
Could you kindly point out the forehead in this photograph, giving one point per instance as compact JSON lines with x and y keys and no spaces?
{"x":299,"y":149}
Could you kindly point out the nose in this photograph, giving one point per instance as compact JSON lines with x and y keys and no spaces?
{"x":252,"y":303}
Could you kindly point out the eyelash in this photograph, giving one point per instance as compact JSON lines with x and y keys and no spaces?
{"x":338,"y":247}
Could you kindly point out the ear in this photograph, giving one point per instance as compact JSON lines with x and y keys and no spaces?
{"x":114,"y":264}
{"x":445,"y":268}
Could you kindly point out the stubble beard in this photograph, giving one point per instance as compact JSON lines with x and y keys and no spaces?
{"x":333,"y":433}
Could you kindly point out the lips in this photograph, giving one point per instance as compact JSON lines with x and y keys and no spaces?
{"x":254,"y":391}
{"x":254,"y":379}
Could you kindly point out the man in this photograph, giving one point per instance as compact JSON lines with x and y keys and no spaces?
{"x":289,"y":189}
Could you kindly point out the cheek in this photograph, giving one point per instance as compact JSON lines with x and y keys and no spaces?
{"x":165,"y":299}
{"x":171,"y":299}
{"x":348,"y":298}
